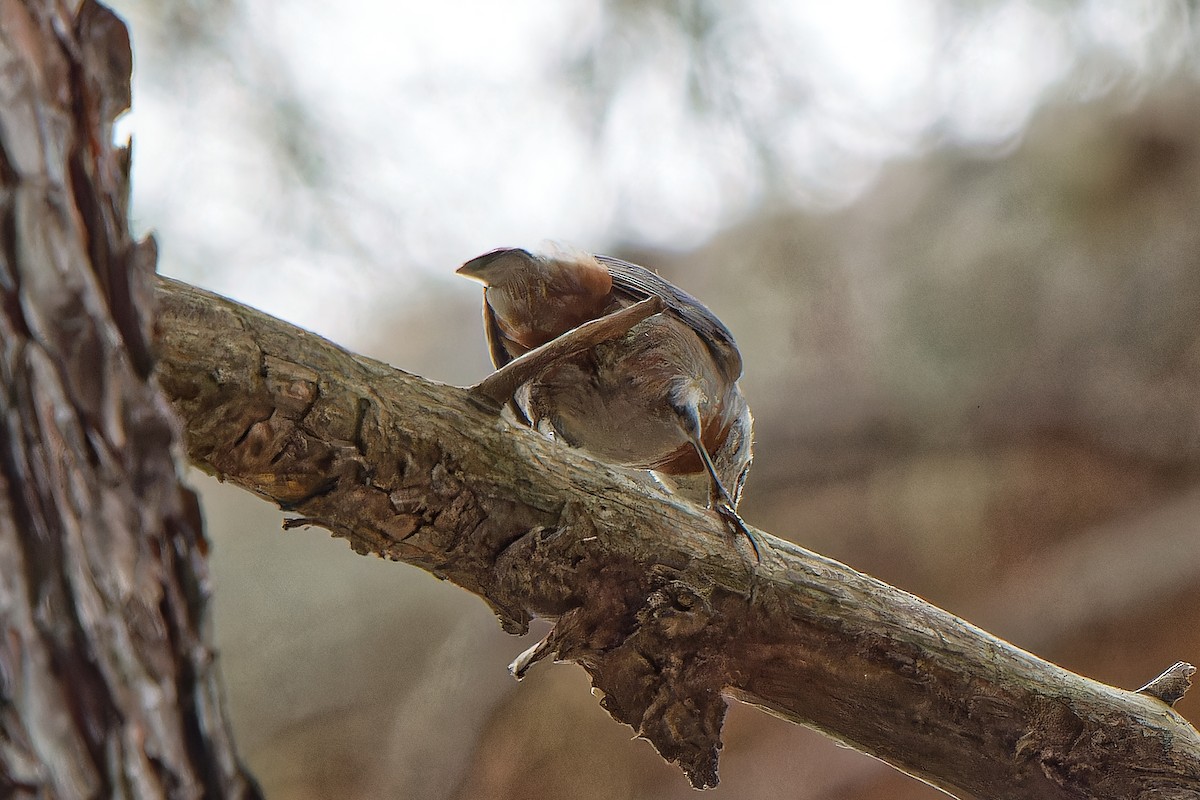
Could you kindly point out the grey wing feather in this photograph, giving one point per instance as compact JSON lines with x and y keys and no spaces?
{"x":500,"y":355}
{"x":639,"y":283}
{"x":495,"y":338}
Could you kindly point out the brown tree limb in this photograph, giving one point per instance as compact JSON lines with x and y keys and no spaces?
{"x":648,"y":593}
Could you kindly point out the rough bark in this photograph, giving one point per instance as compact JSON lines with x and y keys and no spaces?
{"x":649,"y":594}
{"x":107,"y":679}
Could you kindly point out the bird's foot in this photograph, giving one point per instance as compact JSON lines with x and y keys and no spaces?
{"x":737,"y":526}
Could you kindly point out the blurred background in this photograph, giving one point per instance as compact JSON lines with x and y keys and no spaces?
{"x":958,"y":242}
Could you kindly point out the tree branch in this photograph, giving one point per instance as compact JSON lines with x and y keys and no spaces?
{"x":647,"y":591}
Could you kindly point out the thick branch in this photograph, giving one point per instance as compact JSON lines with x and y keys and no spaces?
{"x":649,"y":594}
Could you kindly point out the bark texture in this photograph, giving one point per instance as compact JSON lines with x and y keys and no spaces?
{"x":649,"y":594}
{"x":107,"y":680}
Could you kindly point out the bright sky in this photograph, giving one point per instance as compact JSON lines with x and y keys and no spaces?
{"x":432,"y":132}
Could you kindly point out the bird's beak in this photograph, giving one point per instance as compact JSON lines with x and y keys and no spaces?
{"x":496,"y":263}
{"x":472,"y":269}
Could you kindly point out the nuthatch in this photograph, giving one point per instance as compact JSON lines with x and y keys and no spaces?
{"x":663,"y":397}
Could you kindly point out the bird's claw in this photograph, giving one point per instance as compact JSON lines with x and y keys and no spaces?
{"x":737,"y":526}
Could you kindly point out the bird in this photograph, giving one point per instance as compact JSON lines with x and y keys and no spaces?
{"x":663,"y":397}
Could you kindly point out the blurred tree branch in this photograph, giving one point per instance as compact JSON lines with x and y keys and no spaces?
{"x":648,"y":593}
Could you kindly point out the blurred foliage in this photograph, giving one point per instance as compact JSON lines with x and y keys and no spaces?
{"x":755,"y":77}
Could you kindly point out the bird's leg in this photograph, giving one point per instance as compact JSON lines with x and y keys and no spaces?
{"x":720,"y":501}
{"x":498,"y":388}
{"x":718,"y":497}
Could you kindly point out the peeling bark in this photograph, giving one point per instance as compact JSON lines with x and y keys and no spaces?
{"x":107,"y":680}
{"x":649,"y":593}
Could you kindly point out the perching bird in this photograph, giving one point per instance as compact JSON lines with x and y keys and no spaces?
{"x":662,"y":397}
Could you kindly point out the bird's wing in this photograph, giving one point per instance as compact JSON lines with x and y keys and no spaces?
{"x":500,"y":355}
{"x":638,"y":283}
{"x":495,"y":338}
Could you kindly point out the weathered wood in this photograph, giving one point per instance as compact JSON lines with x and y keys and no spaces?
{"x":649,"y":593}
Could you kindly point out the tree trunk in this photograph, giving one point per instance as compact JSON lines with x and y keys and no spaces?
{"x":107,"y":679}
